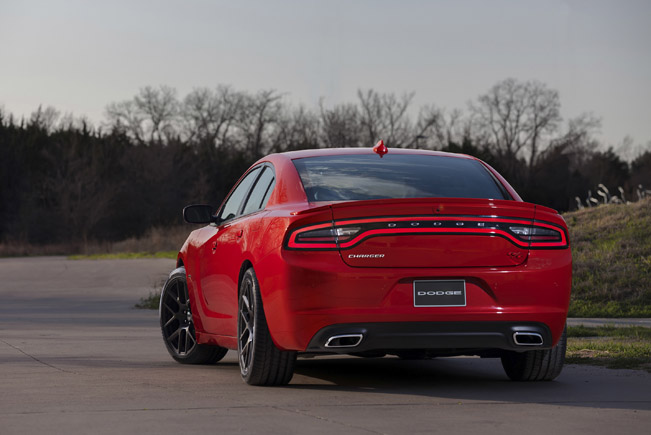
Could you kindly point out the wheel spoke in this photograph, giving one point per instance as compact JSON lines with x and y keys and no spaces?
{"x":246,"y":352}
{"x":172,"y":338}
{"x":190,"y":335}
{"x":246,"y":321}
{"x":168,"y":308}
{"x":173,"y":318}
{"x":243,"y":335}
{"x":185,"y":340}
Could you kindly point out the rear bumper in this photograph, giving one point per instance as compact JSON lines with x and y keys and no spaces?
{"x":451,"y":336}
{"x":306,"y":293}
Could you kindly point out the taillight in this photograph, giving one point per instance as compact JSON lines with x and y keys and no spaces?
{"x":348,"y":233}
{"x":321,"y":236}
{"x":538,"y":236}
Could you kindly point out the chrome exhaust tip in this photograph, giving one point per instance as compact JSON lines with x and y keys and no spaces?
{"x":345,"y":340}
{"x":527,"y":338}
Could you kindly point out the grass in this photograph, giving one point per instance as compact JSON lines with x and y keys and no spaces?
{"x":611,"y":250}
{"x":125,"y":255}
{"x":610,"y":346}
{"x":155,"y":243}
{"x":149,"y":302}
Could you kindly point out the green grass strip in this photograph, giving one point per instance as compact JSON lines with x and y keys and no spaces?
{"x":582,"y":308}
{"x":610,"y":346}
{"x":632,"y":332}
{"x":126,"y":256}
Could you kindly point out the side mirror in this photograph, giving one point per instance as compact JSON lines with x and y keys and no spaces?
{"x":198,"y":214}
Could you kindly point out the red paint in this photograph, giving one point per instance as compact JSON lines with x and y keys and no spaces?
{"x":304,"y":290}
{"x":380,"y":149}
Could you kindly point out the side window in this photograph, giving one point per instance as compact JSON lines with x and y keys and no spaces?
{"x":270,"y":189}
{"x":260,"y":192}
{"x":234,"y":202}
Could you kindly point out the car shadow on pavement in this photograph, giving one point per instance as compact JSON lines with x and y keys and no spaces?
{"x":475,"y":379}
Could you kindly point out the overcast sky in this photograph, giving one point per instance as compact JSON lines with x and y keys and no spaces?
{"x":80,"y":55}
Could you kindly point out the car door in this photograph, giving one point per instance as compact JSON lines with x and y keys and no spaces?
{"x":213,"y":292}
{"x":239,"y":216}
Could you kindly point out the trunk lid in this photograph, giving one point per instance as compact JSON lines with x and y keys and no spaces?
{"x":432,"y":232}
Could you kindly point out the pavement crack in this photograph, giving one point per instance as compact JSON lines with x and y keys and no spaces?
{"x":34,"y":358}
{"x":318,"y":417}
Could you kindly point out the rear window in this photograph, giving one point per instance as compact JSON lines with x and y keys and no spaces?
{"x":362,"y":177}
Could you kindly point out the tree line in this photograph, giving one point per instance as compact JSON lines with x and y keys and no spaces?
{"x":64,"y":180}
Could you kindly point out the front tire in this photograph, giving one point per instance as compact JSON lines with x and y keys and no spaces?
{"x":261,"y":362}
{"x":536,"y":365}
{"x":177,"y":325}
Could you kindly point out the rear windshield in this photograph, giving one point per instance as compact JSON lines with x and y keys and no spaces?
{"x":361,"y":177}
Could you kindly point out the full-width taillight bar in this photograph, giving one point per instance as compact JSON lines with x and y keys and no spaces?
{"x":348,"y":233}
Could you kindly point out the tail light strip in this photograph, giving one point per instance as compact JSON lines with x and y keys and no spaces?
{"x":345,"y":234}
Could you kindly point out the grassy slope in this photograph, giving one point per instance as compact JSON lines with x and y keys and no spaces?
{"x":611,"y":248}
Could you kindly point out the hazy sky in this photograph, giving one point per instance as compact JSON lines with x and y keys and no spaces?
{"x":80,"y":55}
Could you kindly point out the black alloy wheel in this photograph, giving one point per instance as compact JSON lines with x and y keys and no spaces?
{"x":261,"y":362}
{"x":177,"y":325}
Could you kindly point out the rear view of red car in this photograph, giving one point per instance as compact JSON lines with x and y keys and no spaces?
{"x":411,"y":253}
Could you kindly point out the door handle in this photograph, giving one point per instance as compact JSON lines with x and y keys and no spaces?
{"x":214,"y":247}
{"x":239,"y":233}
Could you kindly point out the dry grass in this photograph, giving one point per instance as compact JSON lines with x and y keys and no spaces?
{"x":154,"y":241}
{"x":21,"y":249}
{"x":611,"y":249}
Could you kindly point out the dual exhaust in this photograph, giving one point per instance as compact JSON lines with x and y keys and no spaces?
{"x":353,"y":340}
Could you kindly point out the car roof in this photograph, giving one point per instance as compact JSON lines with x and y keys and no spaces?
{"x":292,"y":155}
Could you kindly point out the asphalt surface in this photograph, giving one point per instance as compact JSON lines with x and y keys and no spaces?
{"x":75,"y":357}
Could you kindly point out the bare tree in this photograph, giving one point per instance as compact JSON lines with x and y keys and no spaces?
{"x":160,"y":106}
{"x":45,"y":118}
{"x":125,"y":116}
{"x":296,"y":130}
{"x":258,"y":116}
{"x":431,"y":129}
{"x":340,"y":126}
{"x":209,"y":115}
{"x":151,"y":115}
{"x":518,"y":116}
{"x":384,"y":116}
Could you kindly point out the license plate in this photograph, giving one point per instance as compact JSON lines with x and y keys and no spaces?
{"x":440,"y":293}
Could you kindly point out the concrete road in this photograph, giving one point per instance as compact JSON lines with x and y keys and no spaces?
{"x":75,"y":357}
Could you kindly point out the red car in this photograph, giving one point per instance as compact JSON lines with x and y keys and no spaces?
{"x":411,"y":253}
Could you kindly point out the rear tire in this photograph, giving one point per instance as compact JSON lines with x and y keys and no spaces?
{"x":536,"y":365}
{"x":261,"y":362}
{"x":177,"y":325}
